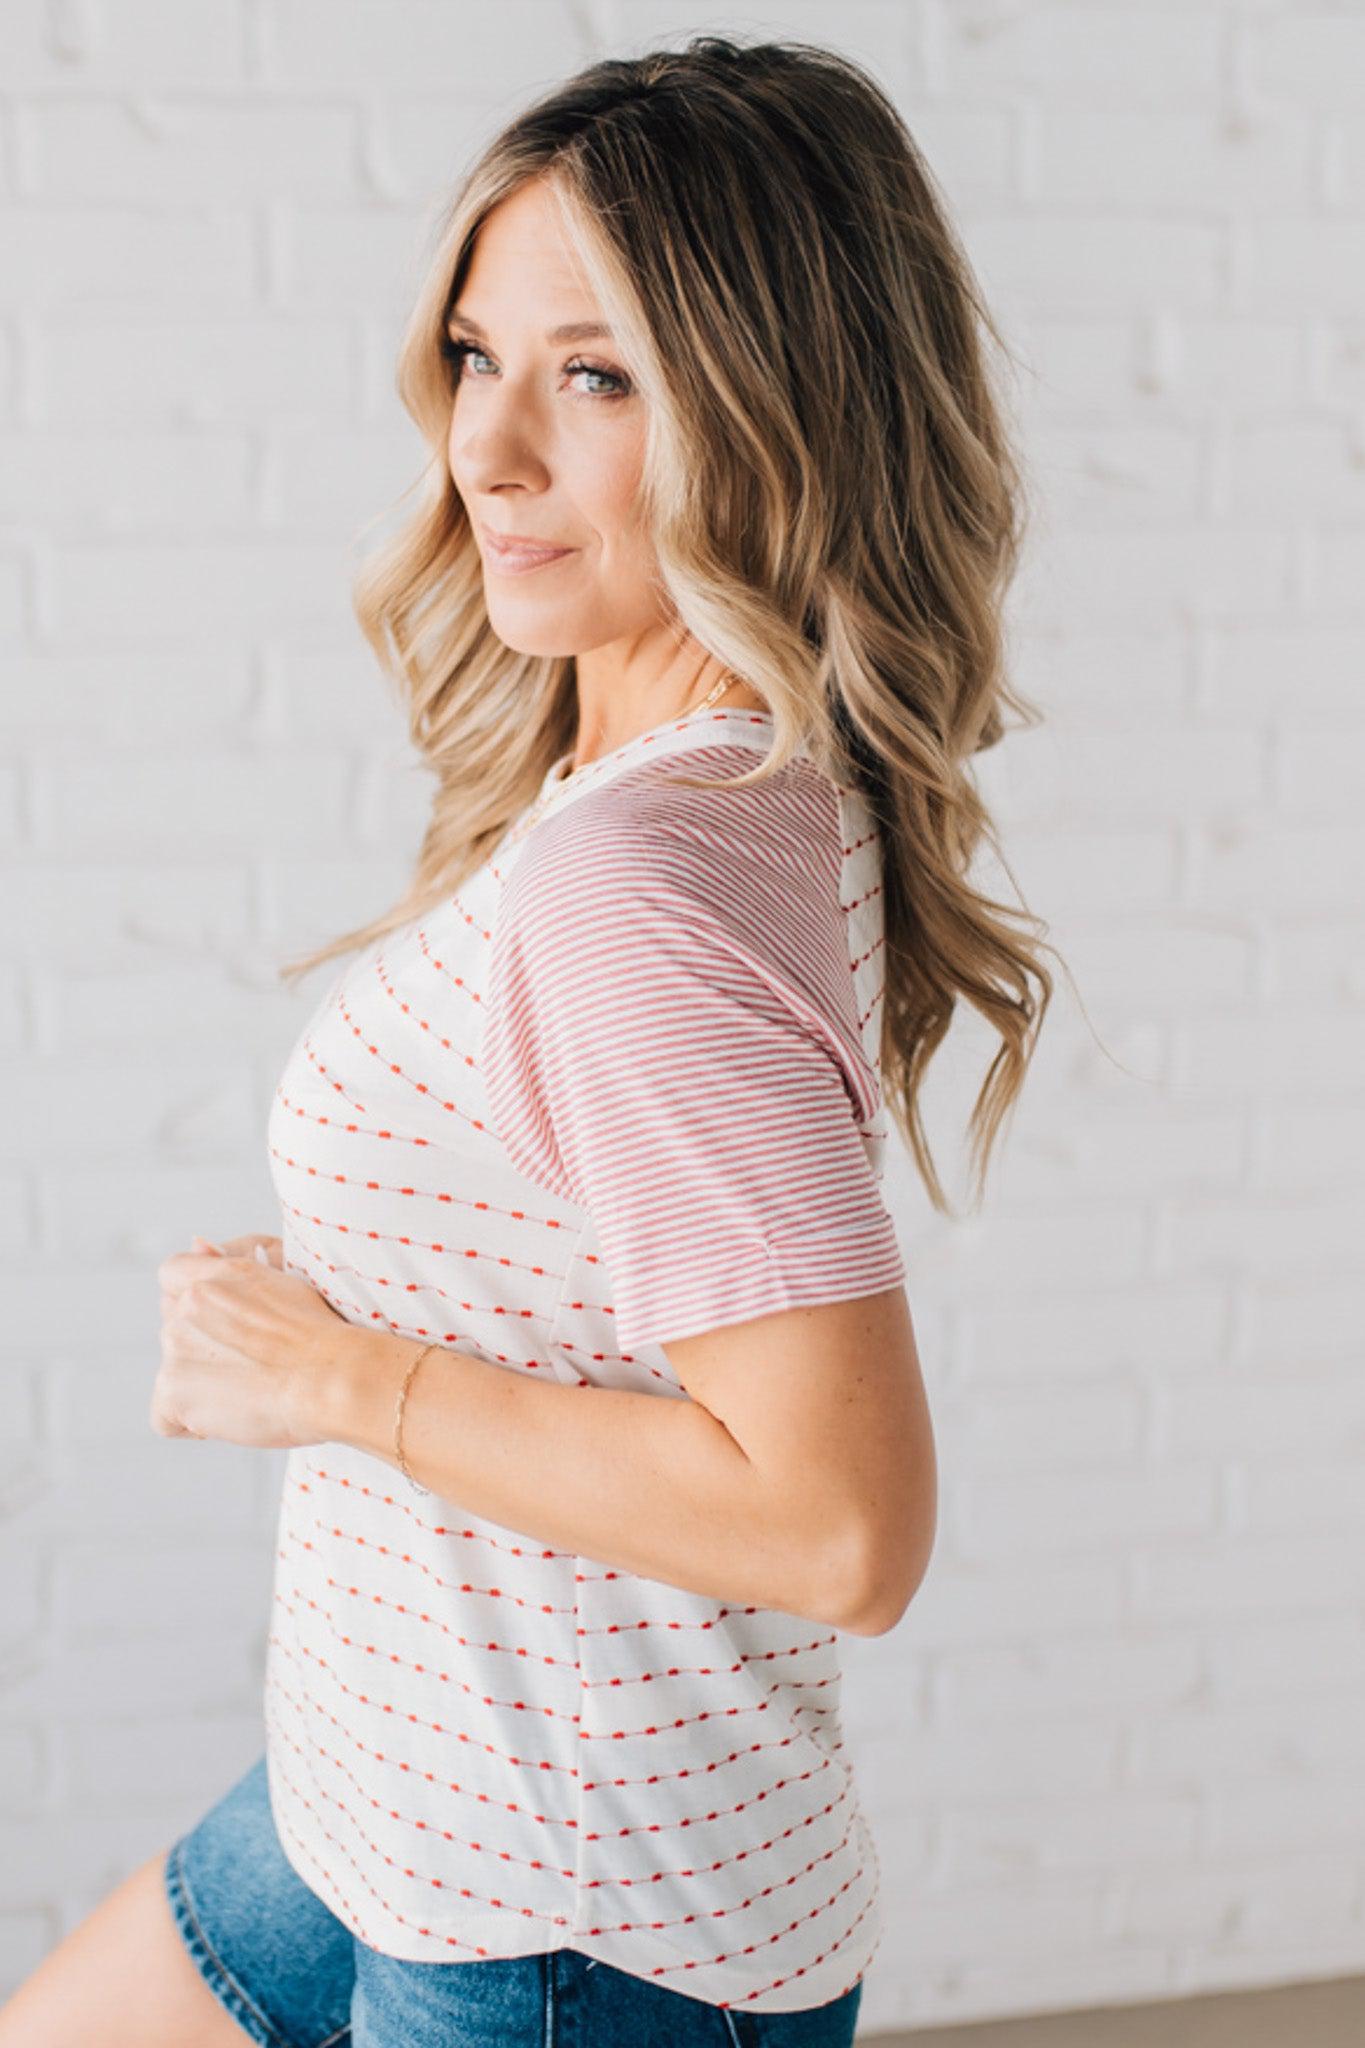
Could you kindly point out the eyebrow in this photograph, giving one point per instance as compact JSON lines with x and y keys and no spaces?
{"x":574,"y":330}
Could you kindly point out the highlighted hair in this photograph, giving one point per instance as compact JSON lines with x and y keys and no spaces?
{"x":835,"y":506}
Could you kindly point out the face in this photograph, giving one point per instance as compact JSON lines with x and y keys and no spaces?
{"x":546,"y":441}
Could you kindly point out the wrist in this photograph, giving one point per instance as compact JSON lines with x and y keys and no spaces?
{"x":356,"y":1395}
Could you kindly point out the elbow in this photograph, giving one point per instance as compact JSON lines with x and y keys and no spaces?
{"x":883,"y":1611}
{"x":896,"y":1553}
{"x":875,"y":1597}
{"x":882,"y":1559}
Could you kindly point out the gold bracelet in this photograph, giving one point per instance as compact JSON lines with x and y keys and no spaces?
{"x":398,"y":1418}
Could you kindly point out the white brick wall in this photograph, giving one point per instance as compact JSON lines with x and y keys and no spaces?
{"x":1113,"y":1752}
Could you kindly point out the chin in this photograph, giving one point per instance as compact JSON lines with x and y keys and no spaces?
{"x":543,"y":644}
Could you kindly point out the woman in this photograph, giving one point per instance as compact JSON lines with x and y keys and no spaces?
{"x":587,"y":1330}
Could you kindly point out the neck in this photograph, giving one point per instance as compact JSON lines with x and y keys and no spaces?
{"x":717,"y":686}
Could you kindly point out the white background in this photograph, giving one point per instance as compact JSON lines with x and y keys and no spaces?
{"x":1113,"y":1751}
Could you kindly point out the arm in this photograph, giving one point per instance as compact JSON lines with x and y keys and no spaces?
{"x":829,"y":1402}
{"x":685,"y":1062}
{"x":644,"y":1482}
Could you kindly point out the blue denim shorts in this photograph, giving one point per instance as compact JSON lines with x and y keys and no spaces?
{"x":293,"y":1976}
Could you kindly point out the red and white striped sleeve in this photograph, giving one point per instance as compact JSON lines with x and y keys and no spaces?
{"x":672,"y":1044}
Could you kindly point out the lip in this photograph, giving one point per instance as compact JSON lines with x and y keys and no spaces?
{"x":517,"y":555}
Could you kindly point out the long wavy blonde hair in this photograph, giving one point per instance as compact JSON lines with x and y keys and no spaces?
{"x":835,"y":506}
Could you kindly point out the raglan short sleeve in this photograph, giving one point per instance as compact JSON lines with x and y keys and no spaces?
{"x":672,"y":1044}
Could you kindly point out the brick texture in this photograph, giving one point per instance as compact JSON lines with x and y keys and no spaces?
{"x":1112,"y":1752}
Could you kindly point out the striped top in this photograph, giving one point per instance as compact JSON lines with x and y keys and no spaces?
{"x":622,"y":1086}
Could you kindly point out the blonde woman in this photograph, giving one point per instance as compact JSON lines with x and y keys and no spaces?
{"x":587,"y":1329}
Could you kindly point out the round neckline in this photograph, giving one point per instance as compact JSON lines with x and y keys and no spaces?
{"x":714,"y":714}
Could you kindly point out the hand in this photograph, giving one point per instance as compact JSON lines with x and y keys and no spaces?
{"x":245,"y":1247}
{"x":246,"y":1348}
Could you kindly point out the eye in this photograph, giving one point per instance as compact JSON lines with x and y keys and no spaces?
{"x":455,"y":350}
{"x":580,"y":369}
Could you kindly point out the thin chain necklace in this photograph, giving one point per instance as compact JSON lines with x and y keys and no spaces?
{"x":562,"y":781}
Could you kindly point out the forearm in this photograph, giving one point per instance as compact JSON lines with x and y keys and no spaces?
{"x":641,"y":1482}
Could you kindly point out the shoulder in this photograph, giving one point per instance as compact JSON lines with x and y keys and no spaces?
{"x":643,"y":855}
{"x":672,"y":993}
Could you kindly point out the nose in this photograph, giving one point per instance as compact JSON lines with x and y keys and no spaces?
{"x":498,"y":440}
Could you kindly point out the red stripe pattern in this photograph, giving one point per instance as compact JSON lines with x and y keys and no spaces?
{"x":673,"y":1044}
{"x":622,"y":1087}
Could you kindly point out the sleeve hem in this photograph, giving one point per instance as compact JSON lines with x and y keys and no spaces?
{"x":788,"y":1276}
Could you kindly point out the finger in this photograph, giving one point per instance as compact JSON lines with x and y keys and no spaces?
{"x":245,"y":1247}
{"x":178,"y":1269}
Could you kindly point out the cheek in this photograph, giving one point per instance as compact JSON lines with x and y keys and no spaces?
{"x":600,"y":464}
{"x":453,"y":462}
{"x":593,"y":472}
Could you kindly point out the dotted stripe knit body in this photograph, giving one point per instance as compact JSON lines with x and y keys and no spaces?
{"x":620,"y":1087}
